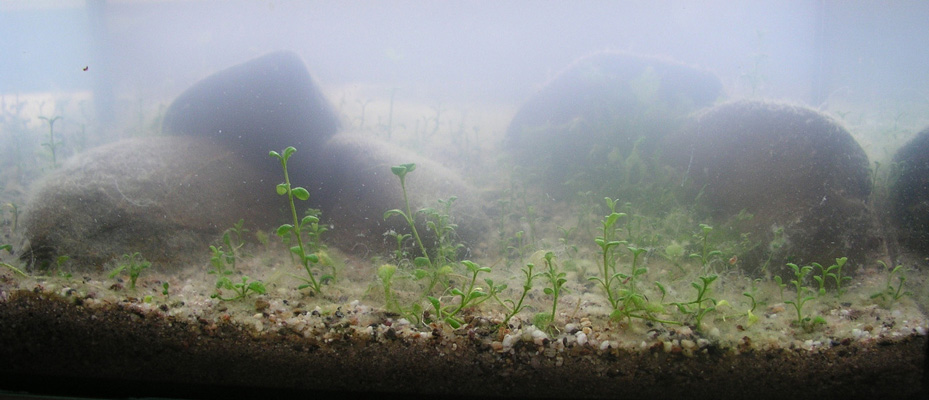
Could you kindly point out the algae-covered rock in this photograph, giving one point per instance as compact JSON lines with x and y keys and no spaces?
{"x":356,"y":187}
{"x":586,"y":125}
{"x":264,"y":104}
{"x":909,"y":193}
{"x":790,"y":177}
{"x":165,"y":197}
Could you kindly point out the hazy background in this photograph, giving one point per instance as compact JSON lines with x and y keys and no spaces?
{"x":147,"y":52}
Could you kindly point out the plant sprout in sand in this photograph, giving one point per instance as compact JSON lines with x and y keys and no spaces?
{"x":133,"y":264}
{"x":295,"y":229}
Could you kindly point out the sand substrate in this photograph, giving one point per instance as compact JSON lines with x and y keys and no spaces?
{"x":58,"y":343}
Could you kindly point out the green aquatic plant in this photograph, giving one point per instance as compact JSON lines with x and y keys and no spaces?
{"x":750,"y":314}
{"x":401,"y":171}
{"x":14,"y":221}
{"x":386,"y":274}
{"x":220,"y":261}
{"x":609,"y":278}
{"x":803,"y":321}
{"x":439,"y":222}
{"x":52,"y":144}
{"x":513,"y":307}
{"x":400,"y":253}
{"x":891,"y":294}
{"x":286,"y":231}
{"x":703,"y":304}
{"x":241,"y":289}
{"x":133,"y":264}
{"x":471,"y":296}
{"x":556,"y":280}
{"x":232,"y":238}
{"x":9,"y":249}
{"x":834,"y":271}
{"x":425,"y":266}
{"x":706,"y":253}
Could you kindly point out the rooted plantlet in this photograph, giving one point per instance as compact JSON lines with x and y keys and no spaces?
{"x":52,"y":144}
{"x":556,"y":281}
{"x":9,"y":249}
{"x":294,"y":230}
{"x":609,"y":276}
{"x":133,"y":264}
{"x":471,"y":296}
{"x":891,"y":294}
{"x":835,"y":272}
{"x":800,"y":274}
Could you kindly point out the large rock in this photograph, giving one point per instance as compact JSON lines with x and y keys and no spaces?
{"x":792,"y":168}
{"x":165,"y":197}
{"x":584,"y":125}
{"x":354,"y":186}
{"x":264,"y":104}
{"x":909,"y":194}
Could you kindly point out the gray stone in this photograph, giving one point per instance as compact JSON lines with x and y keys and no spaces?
{"x":580,"y":126}
{"x":909,"y":194}
{"x":790,"y":167}
{"x":356,"y":186}
{"x":165,"y":197}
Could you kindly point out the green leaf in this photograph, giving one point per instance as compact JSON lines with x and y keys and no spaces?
{"x":453,"y":322}
{"x":309,"y":219}
{"x":257,"y":287}
{"x":284,"y":230}
{"x":301,"y":193}
{"x":435,"y":303}
{"x":395,"y":211}
{"x":421,"y":262}
{"x":290,"y":150}
{"x":281,"y":189}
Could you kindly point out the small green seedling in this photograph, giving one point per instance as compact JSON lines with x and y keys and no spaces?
{"x":703,"y":304}
{"x":705,"y":256}
{"x":164,"y":289}
{"x":800,"y":274}
{"x":471,"y":296}
{"x":294,"y":230}
{"x":891,"y":294}
{"x":752,"y":318}
{"x":133,"y":264}
{"x":15,"y":221}
{"x":52,"y":144}
{"x":386,"y":273}
{"x":835,"y":272}
{"x":232,"y":238}
{"x":610,"y":278}
{"x":241,"y":289}
{"x":513,"y":308}
{"x":556,"y":281}
{"x":9,"y":249}
{"x":780,"y":286}
{"x":438,"y":266}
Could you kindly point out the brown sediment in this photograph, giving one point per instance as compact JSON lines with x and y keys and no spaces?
{"x":121,"y":349}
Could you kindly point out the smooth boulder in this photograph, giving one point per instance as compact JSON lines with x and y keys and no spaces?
{"x":909,"y":194}
{"x":167,"y":198}
{"x":354,"y":187}
{"x":263,"y":104}
{"x":577,"y":132}
{"x":791,"y":178}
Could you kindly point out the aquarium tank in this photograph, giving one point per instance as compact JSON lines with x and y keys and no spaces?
{"x":464,"y":199}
